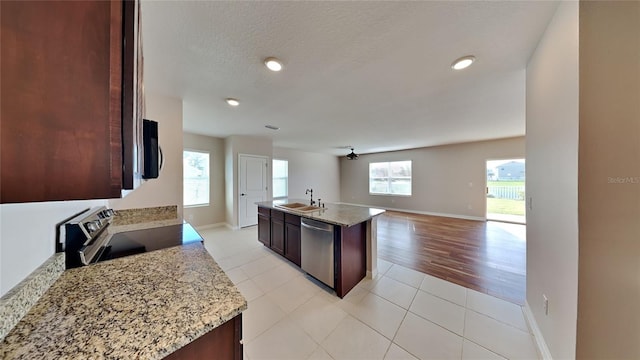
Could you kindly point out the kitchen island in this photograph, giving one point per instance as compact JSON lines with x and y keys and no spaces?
{"x":173,"y":303}
{"x":354,"y":237}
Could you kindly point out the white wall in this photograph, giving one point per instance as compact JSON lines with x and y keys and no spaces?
{"x":320,"y":172}
{"x":27,"y":236}
{"x":167,"y":188}
{"x":214,"y":213}
{"x":229,"y":183}
{"x":609,"y":181}
{"x":441,"y":177}
{"x":247,"y":145}
{"x":552,"y":181}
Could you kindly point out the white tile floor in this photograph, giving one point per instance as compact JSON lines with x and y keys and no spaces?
{"x":402,"y":314}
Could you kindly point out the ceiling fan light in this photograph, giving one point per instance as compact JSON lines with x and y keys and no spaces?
{"x":352,"y":155}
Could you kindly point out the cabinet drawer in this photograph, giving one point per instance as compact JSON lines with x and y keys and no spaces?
{"x":264,"y":211}
{"x":275,"y":214}
{"x":292,"y":219}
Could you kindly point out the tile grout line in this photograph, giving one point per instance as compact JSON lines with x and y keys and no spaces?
{"x":501,"y":322}
{"x":489,"y":350}
{"x":406,"y":311}
{"x":398,"y":329}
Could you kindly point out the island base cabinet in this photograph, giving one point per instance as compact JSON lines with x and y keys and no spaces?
{"x":351,"y":258}
{"x":292,"y":239}
{"x":221,"y":343}
{"x":277,"y":235}
{"x":264,"y":230}
{"x":280,"y":232}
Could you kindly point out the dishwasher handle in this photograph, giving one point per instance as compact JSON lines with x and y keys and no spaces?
{"x":328,"y":228}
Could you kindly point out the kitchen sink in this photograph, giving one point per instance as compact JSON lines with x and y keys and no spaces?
{"x":299,"y":207}
{"x":308,"y":208}
{"x":292,"y":206}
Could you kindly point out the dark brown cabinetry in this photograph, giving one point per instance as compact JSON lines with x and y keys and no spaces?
{"x":277,"y":231}
{"x":62,"y":100}
{"x":280,"y":232}
{"x":221,"y":343}
{"x":351,"y":258}
{"x":264,"y":226}
{"x":292,"y":238}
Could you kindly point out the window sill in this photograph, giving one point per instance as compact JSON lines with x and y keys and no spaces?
{"x":381,"y":194}
{"x":196,"y":206}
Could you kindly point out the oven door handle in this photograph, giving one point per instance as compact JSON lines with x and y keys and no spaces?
{"x":161,"y":158}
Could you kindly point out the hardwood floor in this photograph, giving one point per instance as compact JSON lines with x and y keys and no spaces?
{"x":489,"y":257}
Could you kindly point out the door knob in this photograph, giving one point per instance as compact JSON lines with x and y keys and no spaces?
{"x":242,"y":194}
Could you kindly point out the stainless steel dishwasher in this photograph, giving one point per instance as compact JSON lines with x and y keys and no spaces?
{"x":317,"y":250}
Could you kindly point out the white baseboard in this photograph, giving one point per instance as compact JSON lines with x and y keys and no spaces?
{"x":210,"y":226}
{"x":372,"y":274}
{"x":465,"y":217}
{"x":229,"y":226}
{"x":543,"y":349}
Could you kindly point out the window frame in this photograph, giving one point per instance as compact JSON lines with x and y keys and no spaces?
{"x":390,"y":178}
{"x":273,"y":178}
{"x":208,"y":203}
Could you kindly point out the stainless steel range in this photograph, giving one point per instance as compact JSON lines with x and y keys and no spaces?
{"x":85,"y":238}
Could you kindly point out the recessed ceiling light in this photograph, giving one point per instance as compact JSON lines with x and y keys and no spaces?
{"x":232,"y":101}
{"x":272,"y":127}
{"x":273,"y":64}
{"x":463,"y":62}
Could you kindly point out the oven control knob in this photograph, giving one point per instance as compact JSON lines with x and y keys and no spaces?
{"x":93,"y":225}
{"x":105,"y":214}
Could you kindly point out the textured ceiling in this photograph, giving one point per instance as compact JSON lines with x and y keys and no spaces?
{"x":375,"y":75}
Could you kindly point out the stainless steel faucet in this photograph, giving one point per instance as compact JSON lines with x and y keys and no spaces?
{"x":310,"y":191}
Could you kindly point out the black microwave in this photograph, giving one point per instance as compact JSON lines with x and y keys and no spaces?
{"x":152,"y":157}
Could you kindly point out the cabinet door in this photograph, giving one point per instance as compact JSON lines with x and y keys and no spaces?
{"x":222,"y":342}
{"x":264,"y":230}
{"x":61,"y":100}
{"x":292,"y":243}
{"x":132,"y":97}
{"x":277,"y":235}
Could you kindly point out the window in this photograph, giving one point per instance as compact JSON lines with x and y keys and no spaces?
{"x":390,"y":178}
{"x":280,"y":178}
{"x":196,"y":178}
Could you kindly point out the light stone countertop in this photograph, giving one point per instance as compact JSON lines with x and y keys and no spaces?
{"x":336,"y":214}
{"x":144,"y":306}
{"x":114,"y":229}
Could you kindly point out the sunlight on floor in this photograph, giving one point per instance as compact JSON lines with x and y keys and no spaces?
{"x":402,"y":314}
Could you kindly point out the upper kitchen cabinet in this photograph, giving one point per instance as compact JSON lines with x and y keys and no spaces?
{"x":68,"y":99}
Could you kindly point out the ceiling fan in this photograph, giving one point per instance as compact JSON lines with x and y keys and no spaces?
{"x":352,"y":155}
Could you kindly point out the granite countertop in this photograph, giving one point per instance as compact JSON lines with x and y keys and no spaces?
{"x":137,"y":307}
{"x":337,"y":214}
{"x":114,"y":229}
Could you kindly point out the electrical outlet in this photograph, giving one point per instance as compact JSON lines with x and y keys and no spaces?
{"x":469,"y":207}
{"x":470,"y":184}
{"x":545,"y":304}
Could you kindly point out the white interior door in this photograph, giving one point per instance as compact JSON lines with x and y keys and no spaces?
{"x":252,"y":172}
